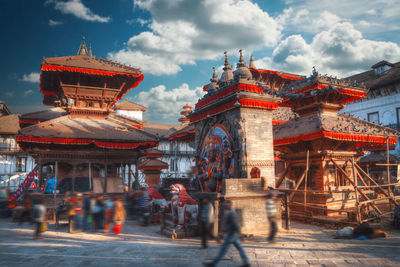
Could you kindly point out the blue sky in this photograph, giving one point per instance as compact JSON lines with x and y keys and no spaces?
{"x":177,"y":42}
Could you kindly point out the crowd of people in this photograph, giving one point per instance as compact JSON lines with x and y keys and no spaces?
{"x":102,"y":213}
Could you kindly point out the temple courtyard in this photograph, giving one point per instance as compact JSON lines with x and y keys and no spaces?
{"x":143,"y":246}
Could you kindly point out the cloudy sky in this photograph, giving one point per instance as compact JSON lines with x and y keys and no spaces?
{"x":177,"y":42}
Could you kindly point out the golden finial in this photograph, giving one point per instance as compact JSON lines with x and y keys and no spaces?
{"x":82,"y":51}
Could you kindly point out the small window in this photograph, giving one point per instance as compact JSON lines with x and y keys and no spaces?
{"x":21,"y":165}
{"x":173,"y":165}
{"x":373,"y":117}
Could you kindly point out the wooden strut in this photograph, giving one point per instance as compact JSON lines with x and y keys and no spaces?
{"x":376,"y":184}
{"x":282,"y":177}
{"x":298,"y":183}
{"x":358,"y":190}
{"x":358,"y":217}
{"x":305,"y":180}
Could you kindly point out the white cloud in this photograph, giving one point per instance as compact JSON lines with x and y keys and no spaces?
{"x":164,"y":106}
{"x":79,"y":10}
{"x":184,"y":31}
{"x":341,"y":50}
{"x":54,"y":22}
{"x":28,"y":92}
{"x":9,"y":94}
{"x":302,"y":19}
{"x":381,"y":14}
{"x":32,"y":77}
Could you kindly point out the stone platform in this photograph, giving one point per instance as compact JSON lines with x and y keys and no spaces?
{"x":304,"y":245}
{"x":248,"y":199}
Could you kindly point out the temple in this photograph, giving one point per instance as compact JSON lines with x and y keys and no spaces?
{"x":320,"y":147}
{"x":82,"y":140}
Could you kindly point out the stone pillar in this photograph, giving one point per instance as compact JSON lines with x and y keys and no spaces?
{"x":257,"y":143}
{"x":248,"y":200}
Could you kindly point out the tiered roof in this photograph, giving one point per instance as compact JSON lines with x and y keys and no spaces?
{"x":317,"y":100}
{"x":112,"y":132}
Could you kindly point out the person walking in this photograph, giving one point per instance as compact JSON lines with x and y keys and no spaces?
{"x":231,"y":228}
{"x":38,"y":217}
{"x":206,"y":219}
{"x":119,"y":215}
{"x":271,"y":212}
{"x":98,"y":214}
{"x":86,"y":210}
{"x":109,"y":207}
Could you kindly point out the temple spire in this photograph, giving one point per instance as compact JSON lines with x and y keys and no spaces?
{"x":227,"y":64}
{"x":90,"y":54}
{"x":214,"y":77}
{"x":241,"y":60}
{"x":82,"y":51}
{"x":252,"y":65}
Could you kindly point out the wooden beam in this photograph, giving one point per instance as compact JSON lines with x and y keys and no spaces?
{"x":355,"y":184}
{"x":298,"y":183}
{"x":305,"y":180}
{"x":376,"y":184}
{"x":282,"y":177}
{"x":358,"y":190}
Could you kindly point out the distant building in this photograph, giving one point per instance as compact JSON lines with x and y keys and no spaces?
{"x":14,"y":163}
{"x":129,"y":110}
{"x":382,"y":104}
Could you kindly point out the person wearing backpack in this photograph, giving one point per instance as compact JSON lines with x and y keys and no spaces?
{"x":38,"y":217}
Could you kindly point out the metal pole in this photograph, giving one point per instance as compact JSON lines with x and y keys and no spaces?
{"x":90,"y":176}
{"x":55,"y":188}
{"x":287,"y":215}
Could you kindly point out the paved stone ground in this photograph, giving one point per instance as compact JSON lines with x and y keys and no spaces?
{"x":142,"y":246}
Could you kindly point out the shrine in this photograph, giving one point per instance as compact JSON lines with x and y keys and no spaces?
{"x":321,"y":147}
{"x":82,"y":141}
{"x":233,"y":136}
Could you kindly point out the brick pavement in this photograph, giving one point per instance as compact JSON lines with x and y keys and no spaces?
{"x":306,"y":245}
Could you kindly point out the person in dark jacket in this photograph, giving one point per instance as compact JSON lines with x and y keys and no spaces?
{"x":230,"y":226}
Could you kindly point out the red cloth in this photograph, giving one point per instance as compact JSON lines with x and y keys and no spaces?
{"x":117,"y":228}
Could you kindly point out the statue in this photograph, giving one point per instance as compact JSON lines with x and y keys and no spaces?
{"x":184,"y":208}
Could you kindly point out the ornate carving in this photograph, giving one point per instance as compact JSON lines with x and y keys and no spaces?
{"x":258,"y":163}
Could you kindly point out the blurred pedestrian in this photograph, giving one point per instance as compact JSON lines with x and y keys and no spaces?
{"x":98,"y":214}
{"x":271,"y":212}
{"x":26,"y":210}
{"x":206,"y":219}
{"x":86,"y":210}
{"x":119,"y":215}
{"x":38,"y":217}
{"x":108,"y":213}
{"x":231,"y":228}
{"x":78,"y":216}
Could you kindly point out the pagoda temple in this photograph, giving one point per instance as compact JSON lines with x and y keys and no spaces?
{"x":233,"y":128}
{"x":320,"y":146}
{"x":82,"y":141}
